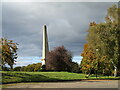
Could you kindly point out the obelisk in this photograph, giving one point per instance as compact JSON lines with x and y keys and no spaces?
{"x":45,"y":48}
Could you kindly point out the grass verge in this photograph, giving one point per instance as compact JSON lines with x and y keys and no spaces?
{"x":16,"y":77}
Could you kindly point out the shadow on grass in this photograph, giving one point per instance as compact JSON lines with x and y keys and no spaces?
{"x":11,"y":77}
{"x":23,"y":77}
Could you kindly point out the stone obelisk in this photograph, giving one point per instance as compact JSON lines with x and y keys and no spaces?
{"x":45,"y":48}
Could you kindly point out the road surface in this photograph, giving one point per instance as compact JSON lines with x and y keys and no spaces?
{"x":71,"y":84}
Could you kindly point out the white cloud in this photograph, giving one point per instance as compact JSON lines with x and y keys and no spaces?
{"x":24,"y":61}
{"x":77,"y":59}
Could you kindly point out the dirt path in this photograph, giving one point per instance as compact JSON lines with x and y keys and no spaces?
{"x":73,"y":84}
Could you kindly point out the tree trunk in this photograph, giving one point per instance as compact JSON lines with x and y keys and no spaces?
{"x":89,"y":72}
{"x":11,"y":67}
{"x":103,"y":71}
{"x":96,"y":73}
{"x":115,"y":71}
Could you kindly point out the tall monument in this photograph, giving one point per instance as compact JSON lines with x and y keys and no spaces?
{"x":45,"y":48}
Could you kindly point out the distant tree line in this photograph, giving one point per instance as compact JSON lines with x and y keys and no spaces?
{"x":29,"y":68}
{"x":101,"y":54}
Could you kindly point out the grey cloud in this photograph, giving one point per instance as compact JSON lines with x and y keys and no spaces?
{"x":67,"y":24}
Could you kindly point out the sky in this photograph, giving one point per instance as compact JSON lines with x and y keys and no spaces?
{"x":67,"y":24}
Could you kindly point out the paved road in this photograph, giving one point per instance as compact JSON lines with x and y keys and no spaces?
{"x":73,"y":84}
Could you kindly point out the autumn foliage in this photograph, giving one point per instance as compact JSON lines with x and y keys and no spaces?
{"x":101,"y":54}
{"x":8,"y":52}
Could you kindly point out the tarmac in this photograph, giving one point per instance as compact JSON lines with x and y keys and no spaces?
{"x":70,"y":84}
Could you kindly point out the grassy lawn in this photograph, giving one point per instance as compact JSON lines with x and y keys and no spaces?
{"x":10,"y":77}
{"x":14,"y":77}
{"x":103,"y":77}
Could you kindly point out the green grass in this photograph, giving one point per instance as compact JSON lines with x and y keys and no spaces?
{"x":103,"y":77}
{"x":15,"y":77}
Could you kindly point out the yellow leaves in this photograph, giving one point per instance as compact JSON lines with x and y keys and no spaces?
{"x":104,"y":57}
{"x":86,"y":46}
{"x":88,"y":66}
{"x":88,"y":57}
{"x":101,"y":60}
{"x":8,"y":50}
{"x":93,"y":24}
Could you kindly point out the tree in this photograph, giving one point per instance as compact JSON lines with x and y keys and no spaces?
{"x":59,"y":59}
{"x":38,"y":67}
{"x":22,"y":68}
{"x":103,"y":40}
{"x":18,"y":68}
{"x":88,"y":62}
{"x":8,"y":52}
{"x":74,"y":67}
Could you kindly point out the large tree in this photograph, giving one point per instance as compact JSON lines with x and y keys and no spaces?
{"x":8,"y":52}
{"x":59,"y":59}
{"x":103,"y":38}
{"x":88,"y":62}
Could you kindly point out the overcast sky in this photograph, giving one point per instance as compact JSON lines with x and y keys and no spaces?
{"x":67,"y":24}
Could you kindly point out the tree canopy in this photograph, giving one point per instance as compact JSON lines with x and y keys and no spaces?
{"x":102,"y":51}
{"x":8,"y":52}
{"x":59,"y":59}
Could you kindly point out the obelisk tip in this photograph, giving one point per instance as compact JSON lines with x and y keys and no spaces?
{"x":44,"y":25}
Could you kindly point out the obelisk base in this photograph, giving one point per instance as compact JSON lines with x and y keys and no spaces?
{"x":43,"y":61}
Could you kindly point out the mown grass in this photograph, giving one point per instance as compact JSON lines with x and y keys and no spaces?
{"x":103,"y":77}
{"x":15,"y":77}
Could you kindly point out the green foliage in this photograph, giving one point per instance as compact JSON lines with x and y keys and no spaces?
{"x":8,"y":52}
{"x":103,"y":45}
{"x":18,"y":68}
{"x":22,"y":68}
{"x":74,"y":67}
{"x":32,"y":67}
